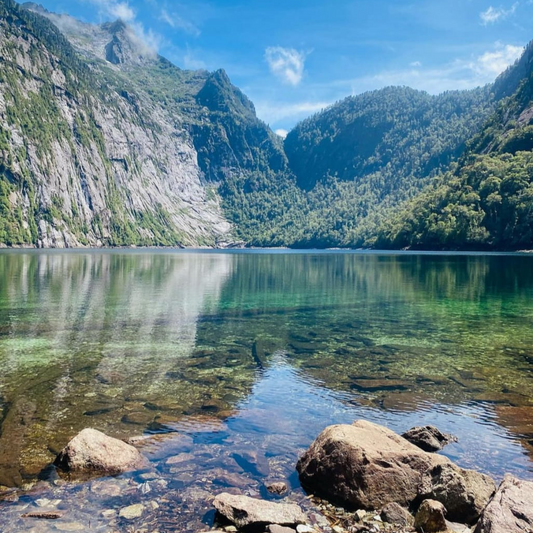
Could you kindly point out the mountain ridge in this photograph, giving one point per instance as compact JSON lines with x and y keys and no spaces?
{"x":132,"y":150}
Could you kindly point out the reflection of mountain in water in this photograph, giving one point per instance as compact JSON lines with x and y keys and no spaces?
{"x":149,"y":341}
{"x":99,"y":340}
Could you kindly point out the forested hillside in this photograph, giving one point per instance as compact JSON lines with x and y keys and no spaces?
{"x":105,"y":143}
{"x":486,"y":201}
{"x":353,"y":163}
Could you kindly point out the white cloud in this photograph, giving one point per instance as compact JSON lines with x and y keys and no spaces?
{"x":415,"y":64}
{"x":286,"y":63}
{"x":495,"y":62}
{"x":456,"y":75}
{"x":273,"y":112}
{"x":282,"y":133}
{"x":494,"y":14}
{"x":122,"y":11}
{"x":179,"y":23}
{"x":149,"y":41}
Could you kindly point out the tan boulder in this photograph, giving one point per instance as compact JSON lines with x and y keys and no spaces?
{"x":365,"y":465}
{"x":93,"y":451}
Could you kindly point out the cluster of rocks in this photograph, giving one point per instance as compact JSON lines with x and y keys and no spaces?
{"x":363,"y":478}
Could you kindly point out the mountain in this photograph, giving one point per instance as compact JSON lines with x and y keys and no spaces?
{"x":486,"y":201}
{"x":103,"y":142}
{"x":355,"y":161}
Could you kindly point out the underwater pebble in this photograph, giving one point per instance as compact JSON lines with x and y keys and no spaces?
{"x":132,"y":511}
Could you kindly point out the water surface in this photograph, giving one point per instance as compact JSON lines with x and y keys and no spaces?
{"x":234,"y":362}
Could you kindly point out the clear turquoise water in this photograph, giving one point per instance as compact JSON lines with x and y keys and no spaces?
{"x":242,"y":358}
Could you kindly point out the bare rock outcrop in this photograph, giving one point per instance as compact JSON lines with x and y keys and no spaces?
{"x":244,"y":511}
{"x":511,"y":509}
{"x":93,"y":451}
{"x":365,"y":465}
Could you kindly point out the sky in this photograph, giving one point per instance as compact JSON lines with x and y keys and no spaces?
{"x":296,"y":57}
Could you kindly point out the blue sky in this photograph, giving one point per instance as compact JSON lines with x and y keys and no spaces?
{"x":294,"y":57}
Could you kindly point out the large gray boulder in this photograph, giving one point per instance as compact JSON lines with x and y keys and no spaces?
{"x":245,"y":511}
{"x":93,"y":451}
{"x":511,"y":509}
{"x":365,"y":465}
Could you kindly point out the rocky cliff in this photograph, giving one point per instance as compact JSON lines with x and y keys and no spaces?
{"x":102,"y":142}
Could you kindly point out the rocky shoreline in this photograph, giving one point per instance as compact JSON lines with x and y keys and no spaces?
{"x":360,"y":478}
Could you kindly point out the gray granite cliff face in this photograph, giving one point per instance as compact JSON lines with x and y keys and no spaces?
{"x":89,"y":159}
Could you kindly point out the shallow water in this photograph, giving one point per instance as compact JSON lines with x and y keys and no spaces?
{"x":235,"y":361}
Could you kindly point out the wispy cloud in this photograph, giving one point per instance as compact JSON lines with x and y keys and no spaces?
{"x":149,"y":41}
{"x":286,"y":63}
{"x":179,"y":23}
{"x":282,"y":133}
{"x":273,"y":112}
{"x":458,"y":74}
{"x":495,"y":14}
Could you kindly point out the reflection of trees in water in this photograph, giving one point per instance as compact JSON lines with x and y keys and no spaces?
{"x":129,"y":341}
{"x":397,"y":331}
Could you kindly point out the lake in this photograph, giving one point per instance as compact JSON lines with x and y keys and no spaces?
{"x":231,"y":363}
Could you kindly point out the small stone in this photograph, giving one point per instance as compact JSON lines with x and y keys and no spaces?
{"x":108,"y":514}
{"x":230,"y":529}
{"x":394,"y":513}
{"x":430,"y":517}
{"x":278,"y":487}
{"x":338,"y":529}
{"x":360,"y":514}
{"x":274,"y":528}
{"x":132,"y":511}
{"x":180,"y":458}
{"x":304,"y":528}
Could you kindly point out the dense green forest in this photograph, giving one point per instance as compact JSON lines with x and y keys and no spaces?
{"x":486,"y":200}
{"x":391,"y":168}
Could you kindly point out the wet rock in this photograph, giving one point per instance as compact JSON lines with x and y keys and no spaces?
{"x":279,"y":487}
{"x":430,"y":517}
{"x":394,"y":513}
{"x":464,"y":493}
{"x":132,"y":511}
{"x":428,"y":438}
{"x":70,"y":526}
{"x":368,"y":466}
{"x":180,"y":458}
{"x":91,"y":450}
{"x":245,"y":511}
{"x":511,"y":509}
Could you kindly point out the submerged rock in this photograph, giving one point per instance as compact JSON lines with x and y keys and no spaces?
{"x":511,"y":509}
{"x":428,"y":438}
{"x":278,"y":487}
{"x":92,"y":451}
{"x":245,"y":511}
{"x":365,"y":465}
{"x":430,"y":517}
